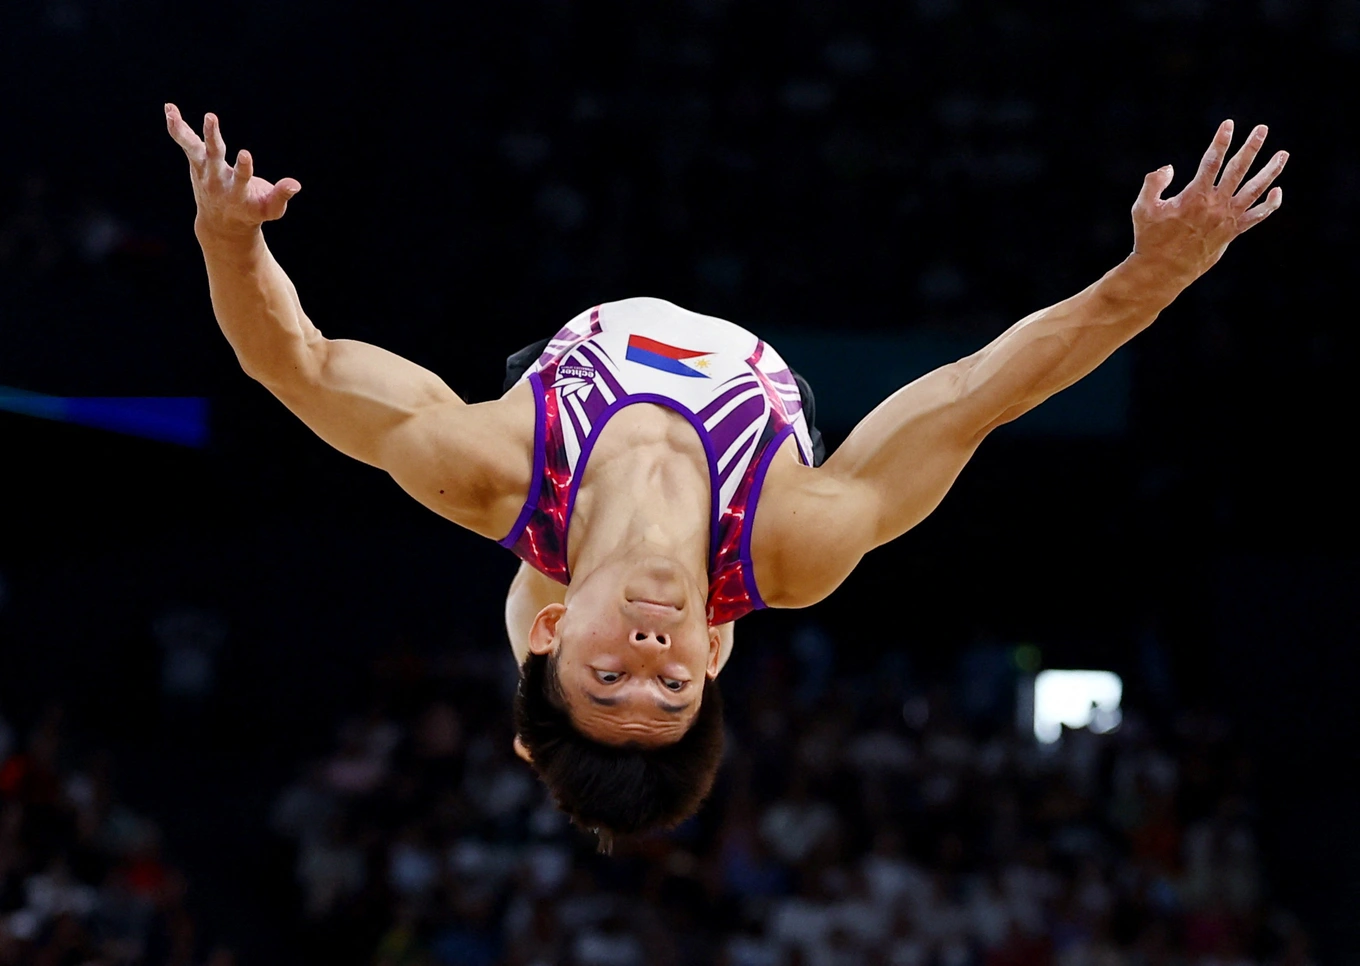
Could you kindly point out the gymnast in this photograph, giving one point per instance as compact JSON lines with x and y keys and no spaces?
{"x":652,"y":434}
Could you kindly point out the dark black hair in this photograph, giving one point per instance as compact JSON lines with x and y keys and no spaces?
{"x":615,"y":789}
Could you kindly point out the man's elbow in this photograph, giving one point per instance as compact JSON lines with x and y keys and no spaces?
{"x":1008,"y":415}
{"x":256,"y":369}
{"x":987,"y":396}
{"x":286,"y":365}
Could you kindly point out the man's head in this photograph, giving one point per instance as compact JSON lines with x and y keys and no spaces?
{"x":617,"y":708}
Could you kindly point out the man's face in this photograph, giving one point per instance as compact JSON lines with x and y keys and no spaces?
{"x":633,"y":649}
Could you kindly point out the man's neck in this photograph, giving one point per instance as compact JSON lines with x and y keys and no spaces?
{"x":640,"y":499}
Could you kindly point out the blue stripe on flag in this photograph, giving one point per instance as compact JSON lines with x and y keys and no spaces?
{"x":657,"y":361}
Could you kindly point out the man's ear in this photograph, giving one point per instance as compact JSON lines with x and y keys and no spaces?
{"x":522,"y":751}
{"x":543,"y":631}
{"x":715,"y":644}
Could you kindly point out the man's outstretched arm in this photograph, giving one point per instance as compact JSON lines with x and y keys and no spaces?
{"x":899,"y":462}
{"x":365,"y":401}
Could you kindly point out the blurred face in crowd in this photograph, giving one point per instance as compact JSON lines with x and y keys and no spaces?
{"x":633,"y":648}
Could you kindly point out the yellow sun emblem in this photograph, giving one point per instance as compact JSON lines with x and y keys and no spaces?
{"x":701,"y":363}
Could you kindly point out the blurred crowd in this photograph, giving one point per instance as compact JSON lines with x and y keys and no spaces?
{"x":856,"y":822}
{"x":83,"y":881}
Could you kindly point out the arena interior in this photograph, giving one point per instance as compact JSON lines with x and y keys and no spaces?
{"x":254,"y":702}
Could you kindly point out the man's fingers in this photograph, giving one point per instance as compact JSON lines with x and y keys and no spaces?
{"x":1213,"y":158}
{"x":183,"y":134}
{"x":1262,"y":211}
{"x":243,"y":171}
{"x":1254,"y":188}
{"x":212,"y":137}
{"x":1241,"y":162}
{"x":1154,"y":184}
{"x":277,"y":201}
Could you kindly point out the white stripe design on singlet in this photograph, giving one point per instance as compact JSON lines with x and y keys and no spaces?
{"x":728,"y":400}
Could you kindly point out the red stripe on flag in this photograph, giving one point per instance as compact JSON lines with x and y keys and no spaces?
{"x":661,"y":349}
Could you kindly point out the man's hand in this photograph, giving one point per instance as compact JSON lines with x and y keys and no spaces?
{"x":231,"y":201}
{"x":1185,"y":235}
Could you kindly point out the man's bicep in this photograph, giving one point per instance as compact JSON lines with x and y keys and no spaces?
{"x":904,"y":456}
{"x":835,"y":519}
{"x":353,"y":394}
{"x":822,"y":527}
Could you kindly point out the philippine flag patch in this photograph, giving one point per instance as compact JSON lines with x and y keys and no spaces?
{"x":667,"y":358}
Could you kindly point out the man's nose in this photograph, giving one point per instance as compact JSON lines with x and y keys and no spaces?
{"x":652,"y":640}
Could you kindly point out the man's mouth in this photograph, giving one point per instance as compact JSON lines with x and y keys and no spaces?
{"x":658,"y":604}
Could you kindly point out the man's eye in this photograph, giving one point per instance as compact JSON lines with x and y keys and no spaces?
{"x":608,"y":677}
{"x":673,"y":683}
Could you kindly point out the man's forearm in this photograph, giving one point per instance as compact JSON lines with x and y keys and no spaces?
{"x":257,"y":306}
{"x":1050,"y":350}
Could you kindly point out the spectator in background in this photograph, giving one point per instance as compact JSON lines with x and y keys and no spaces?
{"x":82,"y":877}
{"x":988,"y":852}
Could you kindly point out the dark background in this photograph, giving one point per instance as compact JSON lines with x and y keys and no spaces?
{"x":475,"y":174}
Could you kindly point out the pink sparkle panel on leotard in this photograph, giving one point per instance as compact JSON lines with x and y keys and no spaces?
{"x":732,"y":589}
{"x":542,"y":541}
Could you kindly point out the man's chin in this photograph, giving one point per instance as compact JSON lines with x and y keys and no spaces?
{"x":660,"y":584}
{"x":655,"y":566}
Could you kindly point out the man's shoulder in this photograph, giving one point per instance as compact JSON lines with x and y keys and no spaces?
{"x":811,"y":529}
{"x":473,"y":463}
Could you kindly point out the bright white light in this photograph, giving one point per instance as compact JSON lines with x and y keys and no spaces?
{"x":1078,"y":699}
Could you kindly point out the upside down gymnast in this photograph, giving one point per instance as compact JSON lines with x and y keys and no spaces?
{"x":627,"y":459}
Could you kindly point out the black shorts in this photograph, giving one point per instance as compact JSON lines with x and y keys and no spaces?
{"x":519,"y":363}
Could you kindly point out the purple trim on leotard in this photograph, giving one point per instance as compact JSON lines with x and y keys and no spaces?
{"x":598,"y":427}
{"x":748,"y":570}
{"x":588,"y":350}
{"x":536,"y":481}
